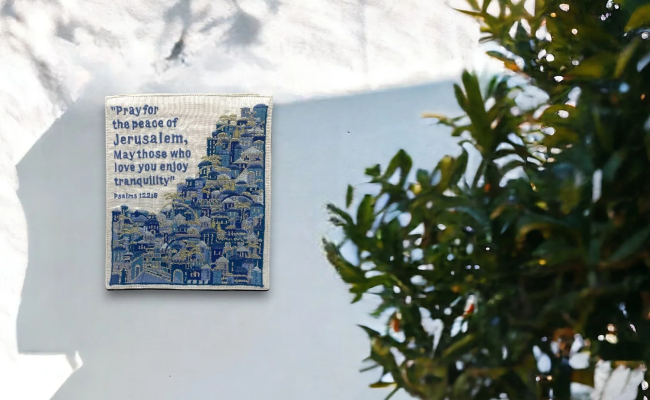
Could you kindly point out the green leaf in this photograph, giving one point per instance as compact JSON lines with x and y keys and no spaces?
{"x":460,"y":97}
{"x":631,"y":245}
{"x":374,"y":171}
{"x":462,"y":389}
{"x":511,"y":165}
{"x":460,"y":166}
{"x":370,"y":368}
{"x":475,"y":14}
{"x":459,"y":130}
{"x":458,"y":347}
{"x":625,"y":56}
{"x":445,"y":168}
{"x":554,"y":109}
{"x":402,"y":161}
{"x":611,"y":166}
{"x":486,"y":4}
{"x":473,"y":4}
{"x":369,"y":283}
{"x":473,"y":90}
{"x":423,"y":177}
{"x":381,"y":384}
{"x":348,"y":272}
{"x":492,"y":85}
{"x":334,"y":210}
{"x":606,"y":137}
{"x":569,"y":195}
{"x":561,"y":137}
{"x":349,"y":195}
{"x":371,"y":332}
{"x":365,"y":214}
{"x":507,"y":61}
{"x":640,"y":18}
{"x":532,"y":223}
{"x":476,"y":112}
{"x":391,"y":394}
{"x":601,"y":66}
{"x":481,"y":16}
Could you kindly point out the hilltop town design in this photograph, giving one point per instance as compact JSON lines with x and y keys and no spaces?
{"x":211,"y":230}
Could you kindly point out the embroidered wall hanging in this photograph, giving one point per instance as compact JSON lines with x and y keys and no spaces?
{"x":188,"y":192}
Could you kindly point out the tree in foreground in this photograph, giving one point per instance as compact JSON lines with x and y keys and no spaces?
{"x":542,"y":253}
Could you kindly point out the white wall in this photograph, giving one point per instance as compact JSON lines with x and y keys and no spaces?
{"x":328,"y":63}
{"x":297,"y":341}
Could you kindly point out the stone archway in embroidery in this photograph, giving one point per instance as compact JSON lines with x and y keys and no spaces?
{"x":178,"y":277}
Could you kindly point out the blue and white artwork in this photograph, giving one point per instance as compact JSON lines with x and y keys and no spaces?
{"x":208,"y":230}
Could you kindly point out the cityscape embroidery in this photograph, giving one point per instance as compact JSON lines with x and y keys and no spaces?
{"x":211,"y":230}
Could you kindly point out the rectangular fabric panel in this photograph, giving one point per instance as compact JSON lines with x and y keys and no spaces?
{"x":188,"y":191}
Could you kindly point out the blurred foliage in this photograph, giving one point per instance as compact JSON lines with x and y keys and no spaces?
{"x":546,"y":240}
